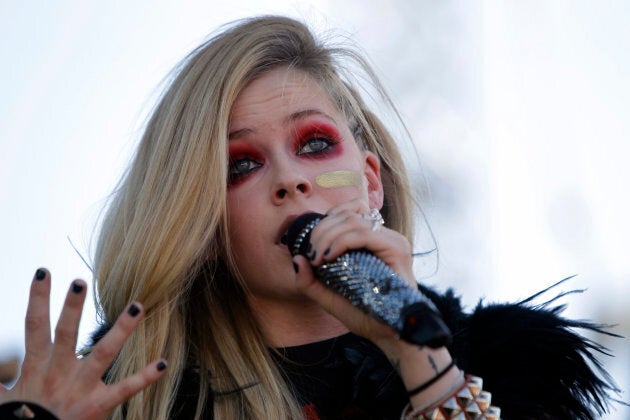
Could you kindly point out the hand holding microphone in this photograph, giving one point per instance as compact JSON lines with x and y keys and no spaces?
{"x":370,"y":285}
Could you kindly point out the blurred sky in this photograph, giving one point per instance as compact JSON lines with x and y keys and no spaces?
{"x":519,"y":111}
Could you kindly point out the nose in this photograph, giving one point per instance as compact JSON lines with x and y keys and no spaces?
{"x":289,"y":185}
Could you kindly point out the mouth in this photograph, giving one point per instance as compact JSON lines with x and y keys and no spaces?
{"x":282,"y":238}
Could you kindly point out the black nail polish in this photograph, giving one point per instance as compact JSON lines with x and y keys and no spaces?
{"x":40,"y":274}
{"x":161,"y":366}
{"x":327,"y":251}
{"x":133,"y":310}
{"x":296,"y":268}
{"x":77,"y":287}
{"x":309,"y":247}
{"x":314,"y":255}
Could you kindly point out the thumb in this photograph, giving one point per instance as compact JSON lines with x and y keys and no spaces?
{"x":304,"y":276}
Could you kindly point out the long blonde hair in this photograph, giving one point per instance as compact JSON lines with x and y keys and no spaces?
{"x":164,"y":237}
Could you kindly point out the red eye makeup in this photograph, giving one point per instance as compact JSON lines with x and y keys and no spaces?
{"x":317,"y":140}
{"x":243,"y":160}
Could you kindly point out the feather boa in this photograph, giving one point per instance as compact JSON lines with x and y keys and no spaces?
{"x":531,"y":358}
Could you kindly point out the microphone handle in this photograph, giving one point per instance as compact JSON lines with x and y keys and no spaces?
{"x":372,"y":286}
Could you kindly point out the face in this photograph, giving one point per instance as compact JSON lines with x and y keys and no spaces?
{"x":285,"y":137}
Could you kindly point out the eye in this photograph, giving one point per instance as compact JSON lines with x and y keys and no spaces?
{"x":314,"y":145}
{"x":241,"y":167}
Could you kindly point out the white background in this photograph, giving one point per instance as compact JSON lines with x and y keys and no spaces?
{"x":519,"y":111}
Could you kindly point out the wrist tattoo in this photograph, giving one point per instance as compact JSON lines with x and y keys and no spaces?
{"x":433,"y":365}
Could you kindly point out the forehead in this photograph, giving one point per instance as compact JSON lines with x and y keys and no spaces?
{"x":279,"y":93}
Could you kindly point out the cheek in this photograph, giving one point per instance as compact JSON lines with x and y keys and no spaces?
{"x":241,"y":219}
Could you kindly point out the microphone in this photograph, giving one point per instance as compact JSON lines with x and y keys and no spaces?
{"x":369,"y":284}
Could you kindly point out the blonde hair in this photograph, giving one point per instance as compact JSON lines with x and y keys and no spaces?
{"x":164,"y":237}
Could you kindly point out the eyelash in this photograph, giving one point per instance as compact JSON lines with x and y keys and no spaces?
{"x":235,"y":175}
{"x":329,"y":144}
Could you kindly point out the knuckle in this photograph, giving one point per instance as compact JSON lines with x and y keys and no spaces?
{"x":405,"y":242}
{"x":406,"y":248}
{"x":74,"y":302}
{"x":103,"y":352}
{"x":35,"y":355}
{"x":102,"y":407}
{"x":29,"y":369}
{"x":126,"y":323}
{"x":125,"y":389}
{"x":64,"y":334}
{"x":38,"y":292}
{"x":35,"y":322}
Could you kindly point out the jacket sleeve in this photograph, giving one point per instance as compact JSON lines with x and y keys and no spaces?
{"x":531,"y":358}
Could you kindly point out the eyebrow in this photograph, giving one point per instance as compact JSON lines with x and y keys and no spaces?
{"x":288,"y":120}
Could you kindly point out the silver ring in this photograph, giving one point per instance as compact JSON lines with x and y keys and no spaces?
{"x":376,"y":218}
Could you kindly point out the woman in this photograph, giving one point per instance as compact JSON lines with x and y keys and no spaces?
{"x":257,"y":126}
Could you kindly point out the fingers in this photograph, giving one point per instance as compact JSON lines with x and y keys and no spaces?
{"x":353,"y":206}
{"x":347,"y":230}
{"x":108,"y":347}
{"x":123,"y":390}
{"x":53,"y":376}
{"x":67,"y":328}
{"x":341,"y":225}
{"x":37,"y":323}
{"x":106,"y":350}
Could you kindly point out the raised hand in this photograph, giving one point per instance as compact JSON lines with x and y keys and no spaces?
{"x":54,"y":378}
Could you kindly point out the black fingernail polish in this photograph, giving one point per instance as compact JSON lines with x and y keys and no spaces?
{"x":40,"y":274}
{"x":161,"y":366}
{"x":133,"y":310}
{"x":296,"y":268}
{"x":77,"y":287}
{"x":327,"y":251}
{"x":309,"y":247}
{"x":314,"y":255}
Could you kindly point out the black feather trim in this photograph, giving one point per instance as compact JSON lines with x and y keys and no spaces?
{"x":531,"y":359}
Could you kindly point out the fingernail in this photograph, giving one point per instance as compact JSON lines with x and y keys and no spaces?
{"x":327,"y":251}
{"x":77,"y":287}
{"x":133,"y":310}
{"x":161,"y":366}
{"x":296,"y":268}
{"x":314,"y":255}
{"x":40,"y":274}
{"x":309,"y":247}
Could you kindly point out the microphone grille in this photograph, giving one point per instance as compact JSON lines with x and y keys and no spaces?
{"x":299,"y":232}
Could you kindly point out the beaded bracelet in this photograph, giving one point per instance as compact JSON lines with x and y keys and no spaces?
{"x":469,"y":401}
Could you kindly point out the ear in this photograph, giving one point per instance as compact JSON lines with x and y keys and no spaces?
{"x":372,"y":172}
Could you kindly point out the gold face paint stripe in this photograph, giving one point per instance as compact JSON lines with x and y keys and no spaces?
{"x":336,"y":179}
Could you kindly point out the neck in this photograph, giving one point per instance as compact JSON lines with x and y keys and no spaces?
{"x":294,"y":322}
